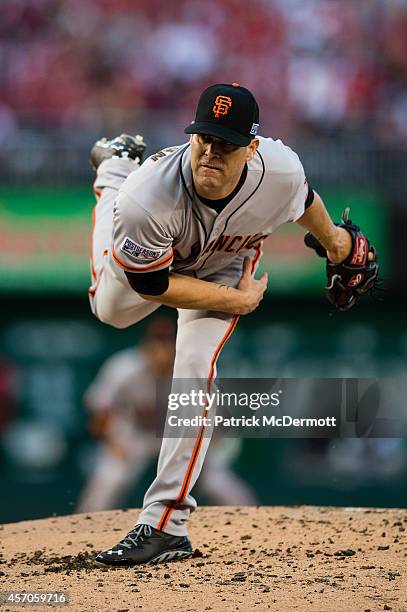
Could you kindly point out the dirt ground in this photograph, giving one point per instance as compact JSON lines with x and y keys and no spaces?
{"x":278,"y":558}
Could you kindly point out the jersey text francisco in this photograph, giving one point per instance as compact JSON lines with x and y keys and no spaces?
{"x":234,"y":244}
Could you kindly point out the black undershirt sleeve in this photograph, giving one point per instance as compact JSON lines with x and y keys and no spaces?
{"x":149,"y":283}
{"x":310,"y":197}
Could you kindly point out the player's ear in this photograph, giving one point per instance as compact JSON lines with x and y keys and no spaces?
{"x":252,"y":148}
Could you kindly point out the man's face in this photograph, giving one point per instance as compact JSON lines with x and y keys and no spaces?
{"x":217,"y":165}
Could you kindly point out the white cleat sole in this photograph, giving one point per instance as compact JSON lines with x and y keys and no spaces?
{"x":171,"y":555}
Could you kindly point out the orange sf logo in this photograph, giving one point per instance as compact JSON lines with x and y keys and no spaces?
{"x":222,"y":105}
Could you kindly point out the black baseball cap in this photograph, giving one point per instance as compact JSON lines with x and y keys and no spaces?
{"x":227,"y":111}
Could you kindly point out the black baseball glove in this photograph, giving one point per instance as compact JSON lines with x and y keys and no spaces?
{"x":131,"y":147}
{"x":356,"y":275}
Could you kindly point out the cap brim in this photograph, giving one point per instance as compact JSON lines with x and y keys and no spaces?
{"x":220,"y":131}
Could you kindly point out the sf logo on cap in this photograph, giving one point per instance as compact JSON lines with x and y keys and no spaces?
{"x":222,"y":105}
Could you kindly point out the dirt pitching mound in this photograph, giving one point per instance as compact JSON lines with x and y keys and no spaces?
{"x":279,"y":558}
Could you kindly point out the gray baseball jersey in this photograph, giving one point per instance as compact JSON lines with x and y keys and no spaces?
{"x":148,"y":218}
{"x":160,"y":221}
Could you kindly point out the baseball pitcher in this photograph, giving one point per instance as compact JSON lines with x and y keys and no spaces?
{"x":186,"y":229}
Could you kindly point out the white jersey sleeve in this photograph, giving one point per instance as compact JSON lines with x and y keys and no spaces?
{"x":140,"y":242}
{"x":296,"y":206}
{"x":285,"y":186}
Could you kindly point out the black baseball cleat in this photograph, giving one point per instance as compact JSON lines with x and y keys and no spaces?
{"x":124,"y":146}
{"x":144,"y":544}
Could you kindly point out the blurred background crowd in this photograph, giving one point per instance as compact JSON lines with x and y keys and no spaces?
{"x":71,"y":70}
{"x":86,"y":64}
{"x":330,"y":77}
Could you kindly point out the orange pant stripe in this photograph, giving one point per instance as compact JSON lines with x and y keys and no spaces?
{"x":198,"y":443}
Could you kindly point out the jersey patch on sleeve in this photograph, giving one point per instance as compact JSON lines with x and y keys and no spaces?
{"x":132,"y":248}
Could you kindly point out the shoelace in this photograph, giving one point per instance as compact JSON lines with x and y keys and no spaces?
{"x":136,"y":535}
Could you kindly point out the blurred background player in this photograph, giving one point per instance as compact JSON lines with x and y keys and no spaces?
{"x":123,"y":408}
